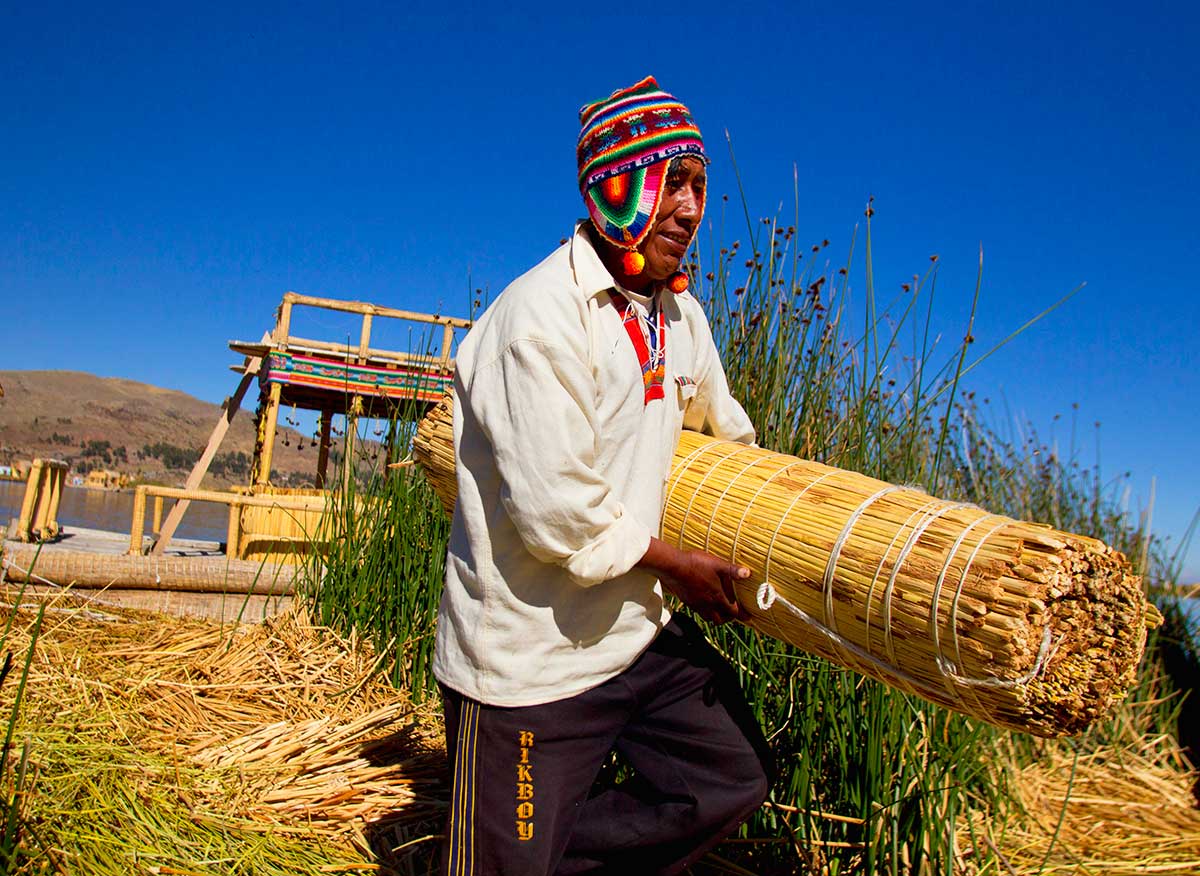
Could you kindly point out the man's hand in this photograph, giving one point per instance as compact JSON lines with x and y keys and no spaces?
{"x":702,"y":581}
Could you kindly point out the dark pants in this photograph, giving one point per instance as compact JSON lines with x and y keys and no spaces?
{"x":525,"y":799}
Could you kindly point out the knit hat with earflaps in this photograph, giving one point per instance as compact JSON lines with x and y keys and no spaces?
{"x":624,"y":146}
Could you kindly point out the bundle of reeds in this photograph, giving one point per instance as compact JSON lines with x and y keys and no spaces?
{"x":1015,"y":623}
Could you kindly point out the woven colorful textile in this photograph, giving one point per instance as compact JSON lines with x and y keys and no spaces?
{"x":623,"y":148}
{"x":297,"y":369}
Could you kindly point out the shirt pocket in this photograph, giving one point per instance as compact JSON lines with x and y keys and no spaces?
{"x":685,"y":391}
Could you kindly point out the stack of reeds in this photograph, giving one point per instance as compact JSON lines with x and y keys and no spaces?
{"x":278,"y":743}
{"x":1015,"y":623}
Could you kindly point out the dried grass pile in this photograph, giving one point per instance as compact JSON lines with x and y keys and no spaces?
{"x":171,"y":743}
{"x":1111,"y":811}
{"x":1015,"y":623}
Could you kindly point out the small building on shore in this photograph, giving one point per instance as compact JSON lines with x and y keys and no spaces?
{"x":105,"y":479}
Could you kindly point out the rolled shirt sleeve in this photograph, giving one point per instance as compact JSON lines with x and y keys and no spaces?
{"x":534,"y":404}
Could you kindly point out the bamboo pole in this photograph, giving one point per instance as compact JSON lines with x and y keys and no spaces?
{"x":41,"y":514}
{"x":311,"y":346}
{"x":267,"y":445}
{"x":57,"y":483}
{"x":235,"y":501}
{"x":137,"y":527}
{"x":233,"y":532}
{"x":364,"y":338}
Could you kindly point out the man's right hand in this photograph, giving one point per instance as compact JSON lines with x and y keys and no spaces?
{"x":703,"y":582}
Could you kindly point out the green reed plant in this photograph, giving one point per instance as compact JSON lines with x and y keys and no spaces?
{"x":380,"y":573}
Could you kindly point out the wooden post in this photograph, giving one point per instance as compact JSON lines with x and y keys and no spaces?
{"x":29,"y":502}
{"x":323,"y":448}
{"x":57,"y":484}
{"x":447,"y":344}
{"x":352,"y":413}
{"x":269,"y":424}
{"x":229,"y":409}
{"x":233,"y":532}
{"x":139,"y":521}
{"x":270,"y":421}
{"x":364,"y":339}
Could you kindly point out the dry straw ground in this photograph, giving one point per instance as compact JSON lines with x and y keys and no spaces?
{"x":281,"y":729}
{"x":158,"y":745}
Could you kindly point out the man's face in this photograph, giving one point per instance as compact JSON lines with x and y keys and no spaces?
{"x":680,"y":208}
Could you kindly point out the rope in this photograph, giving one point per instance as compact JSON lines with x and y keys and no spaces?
{"x":9,"y":564}
{"x":958,"y":593}
{"x":766,"y":597}
{"x":721,"y":498}
{"x":945,"y":667}
{"x":909,"y":544}
{"x":737,"y":533}
{"x":838,"y":544}
{"x":879,"y":571}
{"x":734,"y":451}
{"x":674,"y":481}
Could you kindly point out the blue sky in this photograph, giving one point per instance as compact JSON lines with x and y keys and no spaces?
{"x":166,"y":173}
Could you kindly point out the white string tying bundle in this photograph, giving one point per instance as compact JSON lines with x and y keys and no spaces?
{"x":29,"y":575}
{"x":767,"y":597}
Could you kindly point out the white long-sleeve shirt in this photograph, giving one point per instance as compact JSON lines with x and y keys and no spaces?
{"x":561,"y":469}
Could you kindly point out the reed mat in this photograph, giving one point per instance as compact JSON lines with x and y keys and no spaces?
{"x":1015,"y":623}
{"x":152,"y":744}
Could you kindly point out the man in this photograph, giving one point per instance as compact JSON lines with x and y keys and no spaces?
{"x":554,"y":647}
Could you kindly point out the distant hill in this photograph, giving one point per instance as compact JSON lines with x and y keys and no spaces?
{"x":141,"y":430}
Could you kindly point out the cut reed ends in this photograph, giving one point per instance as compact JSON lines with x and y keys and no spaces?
{"x":1014,"y":623}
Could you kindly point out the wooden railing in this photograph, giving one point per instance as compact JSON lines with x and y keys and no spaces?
{"x":313,"y":506}
{"x":283,"y":339}
{"x":39,"y":508}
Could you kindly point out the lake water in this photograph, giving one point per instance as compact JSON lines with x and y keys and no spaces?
{"x":113,"y":511}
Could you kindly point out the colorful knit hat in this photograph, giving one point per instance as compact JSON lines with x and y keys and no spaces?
{"x":624,"y":146}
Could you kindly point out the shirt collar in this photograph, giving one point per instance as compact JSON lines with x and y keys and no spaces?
{"x":591,"y":275}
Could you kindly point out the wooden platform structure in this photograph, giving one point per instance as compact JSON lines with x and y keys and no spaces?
{"x":331,"y":378}
{"x":271,"y":528}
